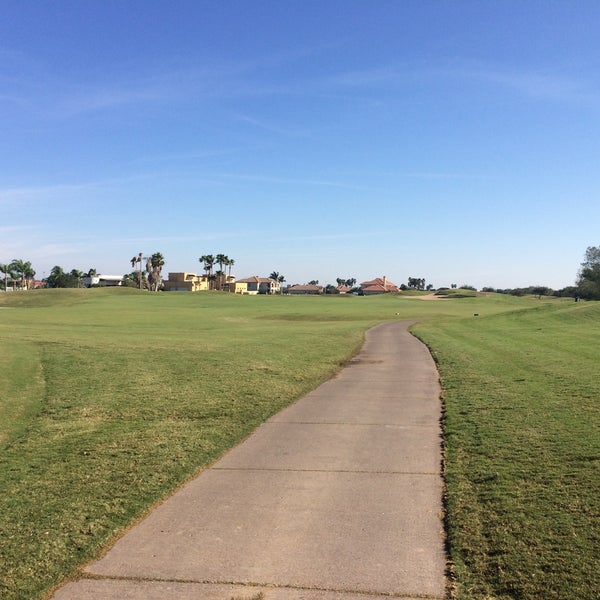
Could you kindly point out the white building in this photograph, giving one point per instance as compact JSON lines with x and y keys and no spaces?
{"x":103,"y":280}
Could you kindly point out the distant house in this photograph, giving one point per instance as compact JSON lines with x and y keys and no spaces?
{"x":308,"y":289}
{"x":186,"y":282}
{"x":192,"y":282}
{"x":257,"y":285}
{"x":343,"y":289}
{"x":20,"y":284}
{"x":103,"y":280}
{"x":381,"y":285}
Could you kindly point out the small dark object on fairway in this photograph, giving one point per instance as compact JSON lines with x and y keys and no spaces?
{"x":475,"y":314}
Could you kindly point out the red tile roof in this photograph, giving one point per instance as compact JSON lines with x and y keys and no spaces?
{"x":382,"y":284}
{"x":306,"y":288}
{"x":376,"y":289}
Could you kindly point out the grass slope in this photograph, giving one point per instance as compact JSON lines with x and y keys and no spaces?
{"x":522,"y":428}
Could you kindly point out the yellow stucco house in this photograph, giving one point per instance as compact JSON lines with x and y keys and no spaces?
{"x":257,"y":285}
{"x":191,"y":282}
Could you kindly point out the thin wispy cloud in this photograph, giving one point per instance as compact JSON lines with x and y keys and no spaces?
{"x":43,"y":253}
{"x":43,"y":91}
{"x":10,"y":230}
{"x":44,"y":192}
{"x":83,"y":101}
{"x":51,"y":96}
{"x":545,"y":84}
{"x":425,"y":175}
{"x":178,"y":239}
{"x":270,"y":127}
{"x":351,"y":235}
{"x":15,"y":238}
{"x":49,"y":192}
{"x":289,"y":181}
{"x":540,"y":84}
{"x":14,"y":101}
{"x":441,"y":175}
{"x":185,"y":156}
{"x":61,"y":249}
{"x":375,"y":76}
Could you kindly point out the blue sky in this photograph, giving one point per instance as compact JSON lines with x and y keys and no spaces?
{"x":456,"y":141}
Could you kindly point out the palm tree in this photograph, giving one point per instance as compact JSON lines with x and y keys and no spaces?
{"x":230,"y":263}
{"x":14,"y":277}
{"x":220,"y":279}
{"x":5,"y":268}
{"x":222,"y":260}
{"x":22,"y":268}
{"x":209,"y":261}
{"x":58,"y":278}
{"x":138,"y":260}
{"x":30,"y":275}
{"x":76,"y":273}
{"x":202,"y":260}
{"x":278,"y":278}
{"x":154,"y":268}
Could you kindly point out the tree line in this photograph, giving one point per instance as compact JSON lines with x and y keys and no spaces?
{"x":587,"y":285}
{"x":59,"y":278}
{"x":20,"y":275}
{"x":217,"y":280}
{"x":588,"y":280}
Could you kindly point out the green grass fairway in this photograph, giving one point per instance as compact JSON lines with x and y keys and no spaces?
{"x":112,"y":398}
{"x":522,"y":429}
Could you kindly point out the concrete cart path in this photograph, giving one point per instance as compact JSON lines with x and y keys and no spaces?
{"x":337,"y":497}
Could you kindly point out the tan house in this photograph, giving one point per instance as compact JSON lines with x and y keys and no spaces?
{"x":381,"y":285}
{"x":257,"y":285}
{"x":191,"y":282}
{"x":186,"y":282}
{"x":223,"y":282}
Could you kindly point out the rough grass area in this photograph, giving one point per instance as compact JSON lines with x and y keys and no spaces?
{"x":113,"y":398}
{"x":523,"y":451}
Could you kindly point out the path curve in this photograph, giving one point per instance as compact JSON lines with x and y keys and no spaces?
{"x":337,"y":497}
